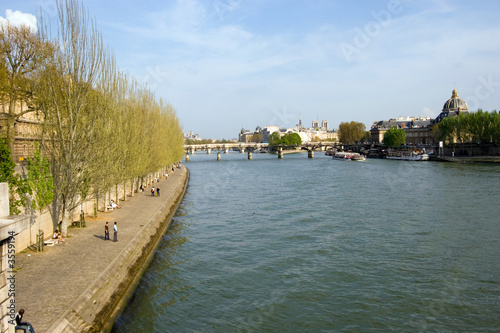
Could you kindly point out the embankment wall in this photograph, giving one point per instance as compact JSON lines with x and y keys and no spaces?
{"x":97,"y":308}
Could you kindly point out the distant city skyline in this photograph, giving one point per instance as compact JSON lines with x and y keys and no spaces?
{"x":228,"y":64}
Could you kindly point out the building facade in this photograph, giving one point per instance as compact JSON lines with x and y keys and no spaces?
{"x":27,"y":130}
{"x":419,"y":130}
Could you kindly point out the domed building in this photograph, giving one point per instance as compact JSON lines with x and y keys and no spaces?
{"x":453,"y":107}
{"x":418,"y":129}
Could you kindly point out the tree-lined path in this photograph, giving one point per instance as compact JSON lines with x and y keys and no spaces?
{"x":48,"y":283}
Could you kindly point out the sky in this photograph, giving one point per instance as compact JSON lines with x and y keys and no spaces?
{"x":225,"y":65}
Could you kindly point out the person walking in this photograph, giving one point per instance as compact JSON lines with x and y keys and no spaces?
{"x":157,"y":191}
{"x":23,"y":325}
{"x":106,"y":231}
{"x":115,"y":233}
{"x":153,"y":191}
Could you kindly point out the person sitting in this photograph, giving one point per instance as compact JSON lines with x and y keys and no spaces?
{"x":23,"y":325}
{"x":114,"y":205}
{"x":58,"y":236}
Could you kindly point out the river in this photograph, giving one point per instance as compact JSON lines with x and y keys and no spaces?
{"x":322,"y":245}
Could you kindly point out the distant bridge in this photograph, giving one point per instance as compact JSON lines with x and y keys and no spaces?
{"x":250,"y":147}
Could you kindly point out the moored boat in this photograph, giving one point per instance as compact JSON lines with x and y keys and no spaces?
{"x":342,"y":155}
{"x":407,"y":155}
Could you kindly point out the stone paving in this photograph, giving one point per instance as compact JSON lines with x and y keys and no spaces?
{"x":49,"y":282}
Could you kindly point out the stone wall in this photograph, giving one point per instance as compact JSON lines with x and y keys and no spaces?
{"x":97,"y":308}
{"x":46,"y":223}
{"x":10,"y":228}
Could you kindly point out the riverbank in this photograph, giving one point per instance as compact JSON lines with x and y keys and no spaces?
{"x":82,"y":284}
{"x":467,"y":159}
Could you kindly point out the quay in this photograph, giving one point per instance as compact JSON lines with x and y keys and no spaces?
{"x":467,"y":159}
{"x":82,"y":284}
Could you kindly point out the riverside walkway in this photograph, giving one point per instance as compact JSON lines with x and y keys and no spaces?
{"x":49,"y":283}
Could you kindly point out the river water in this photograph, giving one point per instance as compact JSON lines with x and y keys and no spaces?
{"x":321,"y":245}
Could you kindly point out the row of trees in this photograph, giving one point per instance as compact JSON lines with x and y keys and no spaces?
{"x":98,"y":126}
{"x":479,"y":127}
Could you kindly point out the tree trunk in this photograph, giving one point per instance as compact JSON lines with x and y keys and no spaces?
{"x":65,"y":222}
{"x":124,"y":190}
{"x":106,"y":201}
{"x":117,"y":196}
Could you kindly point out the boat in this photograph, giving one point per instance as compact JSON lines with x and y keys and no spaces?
{"x":350,"y":156}
{"x":407,"y":155}
{"x":329,"y":152}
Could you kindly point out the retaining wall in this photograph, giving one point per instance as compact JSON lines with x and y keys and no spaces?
{"x":97,"y":308}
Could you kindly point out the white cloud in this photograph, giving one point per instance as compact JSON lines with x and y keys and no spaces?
{"x":18,"y":18}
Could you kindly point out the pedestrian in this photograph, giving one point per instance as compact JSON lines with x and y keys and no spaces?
{"x":153,"y":191}
{"x":115,"y":233}
{"x":106,"y":231}
{"x":23,"y":325}
{"x":157,"y":191}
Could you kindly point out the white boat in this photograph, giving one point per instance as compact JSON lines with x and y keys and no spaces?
{"x":405,"y":155}
{"x":342,"y":155}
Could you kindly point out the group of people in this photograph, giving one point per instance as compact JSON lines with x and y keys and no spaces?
{"x":153,"y":191}
{"x":113,"y":204}
{"x":115,"y":232}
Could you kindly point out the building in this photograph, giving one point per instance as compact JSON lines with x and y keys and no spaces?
{"x":419,"y":129}
{"x":453,"y":107}
{"x":315,"y":133}
{"x":416,"y":128}
{"x":27,"y":130}
{"x":324,"y":125}
{"x":192,"y":136}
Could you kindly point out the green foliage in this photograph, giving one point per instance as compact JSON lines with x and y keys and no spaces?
{"x":275,"y":139}
{"x":7,"y":167}
{"x":293,"y":139}
{"x":367,"y":137}
{"x":98,"y":126}
{"x":288,"y":140}
{"x":480,"y":127}
{"x":394,"y":137}
{"x":39,"y":181}
{"x":351,"y":132}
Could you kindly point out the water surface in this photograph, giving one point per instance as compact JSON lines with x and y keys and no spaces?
{"x":320,"y":245}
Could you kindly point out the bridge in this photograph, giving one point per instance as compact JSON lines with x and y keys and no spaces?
{"x":250,"y":147}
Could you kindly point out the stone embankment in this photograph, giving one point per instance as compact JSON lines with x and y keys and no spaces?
{"x":82,"y":284}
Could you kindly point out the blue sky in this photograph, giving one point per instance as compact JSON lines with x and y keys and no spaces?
{"x":228,"y":64}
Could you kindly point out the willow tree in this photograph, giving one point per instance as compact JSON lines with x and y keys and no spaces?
{"x":69,"y":108}
{"x":22,"y":55}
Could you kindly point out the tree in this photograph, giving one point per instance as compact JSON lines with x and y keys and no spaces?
{"x":394,"y":137}
{"x":22,"y":53}
{"x":288,"y":140}
{"x":40,"y":186}
{"x":293,"y":139}
{"x":480,"y":127}
{"x":68,"y":98}
{"x":275,"y":139}
{"x":7,"y":167}
{"x":351,"y":132}
{"x":257,"y":137}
